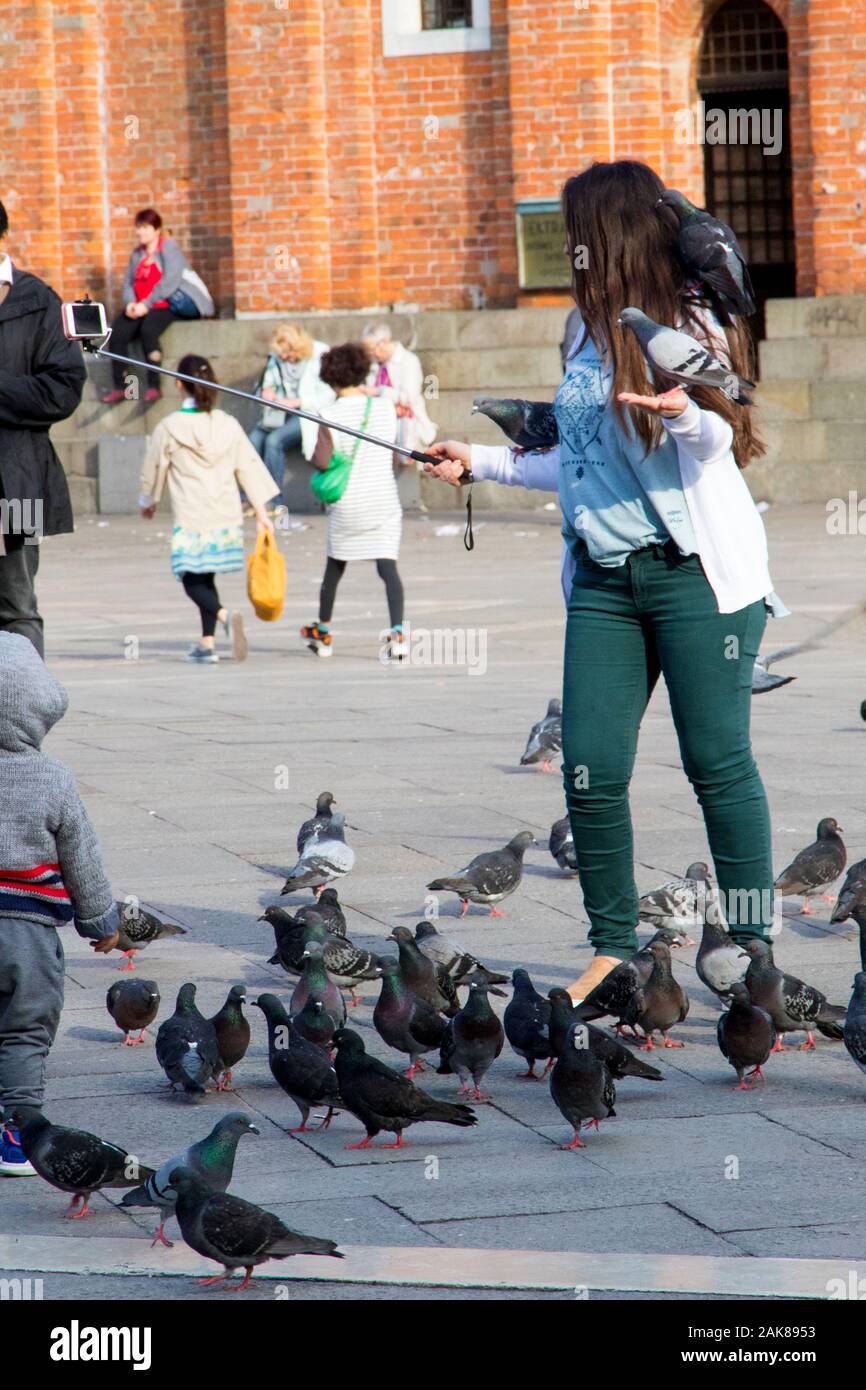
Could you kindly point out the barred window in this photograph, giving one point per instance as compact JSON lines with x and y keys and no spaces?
{"x":446,"y":14}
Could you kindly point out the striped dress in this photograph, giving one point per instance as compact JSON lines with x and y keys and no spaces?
{"x":366,"y":522}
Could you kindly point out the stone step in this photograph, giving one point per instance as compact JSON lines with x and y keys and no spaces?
{"x":831,"y":316}
{"x":829,"y":358}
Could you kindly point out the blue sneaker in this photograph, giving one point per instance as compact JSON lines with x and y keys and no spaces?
{"x":203,"y":656}
{"x":12,"y":1161}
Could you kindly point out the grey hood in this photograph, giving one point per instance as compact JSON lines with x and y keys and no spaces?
{"x":31,"y":700}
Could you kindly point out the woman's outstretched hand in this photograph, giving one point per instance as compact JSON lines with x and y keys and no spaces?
{"x":455,"y":457}
{"x":669,"y":404}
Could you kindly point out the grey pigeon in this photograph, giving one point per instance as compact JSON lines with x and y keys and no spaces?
{"x":527,"y":1025}
{"x":74,"y":1160}
{"x":324,"y":858}
{"x":720,"y":962}
{"x":316,"y":984}
{"x":581,"y":1085}
{"x":561,"y":845}
{"x":383,"y":1100}
{"x":709,"y":249}
{"x":137,"y":928}
{"x":674,"y":905}
{"x":426,"y":979}
{"x":346,"y":963}
{"x":457,"y":963}
{"x":619,"y":1059}
{"x":545,"y":738}
{"x":232,"y":1030}
{"x":679,"y":357}
{"x":304,"y":1071}
{"x":792,"y":1005}
{"x":235,"y":1233}
{"x":328,"y":906}
{"x":531,"y":425}
{"x":490,"y":877}
{"x":659,"y":1003}
{"x":746,"y":1036}
{"x":763,"y":678}
{"x":405,"y":1022}
{"x":186,"y":1046}
{"x":816,"y":866}
{"x":133,"y":1004}
{"x":852,"y":894}
{"x":212,"y":1159}
{"x":473,"y":1041}
{"x":317,"y":823}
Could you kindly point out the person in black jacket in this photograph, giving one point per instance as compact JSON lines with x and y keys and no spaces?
{"x":42,"y":376}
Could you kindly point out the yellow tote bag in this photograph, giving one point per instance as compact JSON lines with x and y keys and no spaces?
{"x":266,"y":578}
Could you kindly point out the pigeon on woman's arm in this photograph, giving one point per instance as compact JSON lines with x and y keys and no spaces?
{"x":530,"y":425}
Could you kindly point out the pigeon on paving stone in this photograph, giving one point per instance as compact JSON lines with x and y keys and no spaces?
{"x":137,"y":928}
{"x":382,"y":1099}
{"x":852,"y":893}
{"x":304,"y":1071}
{"x":613,"y":995}
{"x":581,"y":1085}
{"x":328,"y":906}
{"x":424,"y":977}
{"x":659,"y":1002}
{"x":527,"y":1025}
{"x":457,"y":963}
{"x":619,"y":1059}
{"x":531,"y":425}
{"x":676,"y":355}
{"x":709,"y":248}
{"x":325,"y":857}
{"x":473,"y":1041}
{"x":212,"y":1159}
{"x":746,"y":1036}
{"x":720,"y":962}
{"x":561,"y":845}
{"x":490,"y":877}
{"x":320,"y":821}
{"x":545,"y":739}
{"x":675,"y":904}
{"x":233,"y":1034}
{"x":816,"y":866}
{"x":74,"y":1160}
{"x":346,"y":963}
{"x":792,"y":1005}
{"x":235,"y":1233}
{"x":133,"y":1004}
{"x":315,"y":983}
{"x":187,"y":1047}
{"x":854,"y":1033}
{"x":315,"y":1023}
{"x":405,"y":1022}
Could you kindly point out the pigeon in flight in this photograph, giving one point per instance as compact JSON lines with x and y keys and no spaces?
{"x":489,"y":877}
{"x":674,"y":354}
{"x":816,"y":866}
{"x":530,"y":425}
{"x":324,"y":857}
{"x":133,"y":1004}
{"x":561,"y":845}
{"x":746,"y":1036}
{"x":792,"y":1005}
{"x":545,"y":738}
{"x":709,"y":248}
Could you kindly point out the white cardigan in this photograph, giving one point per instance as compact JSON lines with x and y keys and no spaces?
{"x":730,"y":535}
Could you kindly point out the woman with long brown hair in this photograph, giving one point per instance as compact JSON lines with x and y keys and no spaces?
{"x":665,"y":559}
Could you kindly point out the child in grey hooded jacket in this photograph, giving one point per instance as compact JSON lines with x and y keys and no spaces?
{"x":51,"y":872}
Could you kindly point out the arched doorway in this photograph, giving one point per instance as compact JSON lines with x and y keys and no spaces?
{"x":743,"y":77}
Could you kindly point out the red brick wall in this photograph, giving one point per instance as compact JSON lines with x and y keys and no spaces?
{"x":303,"y":170}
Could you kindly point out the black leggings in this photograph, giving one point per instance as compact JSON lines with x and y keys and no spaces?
{"x":148,"y":330}
{"x":202,"y":589}
{"x":387,"y":572}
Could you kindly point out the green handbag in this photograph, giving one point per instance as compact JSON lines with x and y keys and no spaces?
{"x":330,"y":484}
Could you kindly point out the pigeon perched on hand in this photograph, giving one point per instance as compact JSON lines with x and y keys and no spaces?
{"x":561,"y":845}
{"x":816,"y":866}
{"x":212,"y":1159}
{"x":545,"y":738}
{"x":581,"y":1085}
{"x":187,"y":1047}
{"x":676,"y":355}
{"x":74,"y":1160}
{"x":473,"y":1041}
{"x":382,"y":1099}
{"x":792,"y":1005}
{"x":457,"y":963}
{"x":405,"y":1022}
{"x":137,"y":928}
{"x":304,"y":1071}
{"x":317,"y":823}
{"x":746,"y":1035}
{"x":530,"y":425}
{"x":527,"y":1025}
{"x":709,"y":248}
{"x":235,"y":1233}
{"x":133,"y":1004}
{"x":852,"y":894}
{"x":619,"y":1059}
{"x":490,"y":877}
{"x":674,"y":905}
{"x":324,"y":857}
{"x":233,"y":1034}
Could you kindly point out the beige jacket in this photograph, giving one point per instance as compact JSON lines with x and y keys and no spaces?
{"x":206,"y":457}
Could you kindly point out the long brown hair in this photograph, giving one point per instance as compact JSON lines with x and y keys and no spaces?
{"x":622,"y":249}
{"x":193,"y":365}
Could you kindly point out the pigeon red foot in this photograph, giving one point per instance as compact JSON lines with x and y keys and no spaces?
{"x":161,"y":1238}
{"x":71,"y":1214}
{"x":809,"y":1045}
{"x":129,"y":962}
